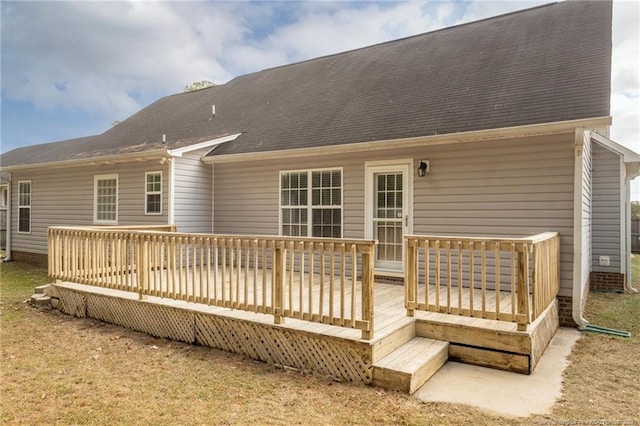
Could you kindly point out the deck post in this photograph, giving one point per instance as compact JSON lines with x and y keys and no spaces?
{"x":523,"y":288}
{"x":278,"y":285}
{"x":411,"y":278}
{"x":142,"y":267}
{"x":367,"y":292}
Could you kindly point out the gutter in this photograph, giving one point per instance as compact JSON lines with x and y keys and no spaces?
{"x":149,"y":155}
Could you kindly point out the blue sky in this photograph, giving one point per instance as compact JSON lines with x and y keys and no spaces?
{"x":70,"y":69}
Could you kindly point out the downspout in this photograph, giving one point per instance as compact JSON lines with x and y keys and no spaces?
{"x":8,"y":222}
{"x":171,"y":190}
{"x":213,"y":198}
{"x":576,"y":305}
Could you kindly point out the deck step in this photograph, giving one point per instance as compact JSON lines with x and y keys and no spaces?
{"x":411,"y":365}
{"x":40,"y":299}
{"x":405,"y":331}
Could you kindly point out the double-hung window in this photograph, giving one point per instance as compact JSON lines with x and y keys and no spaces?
{"x":24,"y":206}
{"x":105,"y":199}
{"x":153,"y":193}
{"x":311,"y":203}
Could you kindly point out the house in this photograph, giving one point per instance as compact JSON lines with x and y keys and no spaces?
{"x":497,"y":127}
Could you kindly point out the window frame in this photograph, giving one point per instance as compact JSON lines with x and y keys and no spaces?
{"x":147,"y":193}
{"x":96,"y":178}
{"x":20,"y":206}
{"x":4,"y":193}
{"x":309,"y":204}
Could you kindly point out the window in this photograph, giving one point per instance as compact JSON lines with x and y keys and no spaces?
{"x":3,"y":197}
{"x":24,"y":207}
{"x":153,"y":193}
{"x":311,"y":203}
{"x":106,"y":199}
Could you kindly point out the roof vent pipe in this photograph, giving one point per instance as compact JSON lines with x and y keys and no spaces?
{"x":213,"y":112}
{"x":164,"y":138}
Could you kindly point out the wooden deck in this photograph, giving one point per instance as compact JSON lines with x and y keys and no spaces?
{"x":314,"y":304}
{"x":326,"y":349}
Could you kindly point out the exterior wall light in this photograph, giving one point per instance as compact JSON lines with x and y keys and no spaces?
{"x":423,"y":168}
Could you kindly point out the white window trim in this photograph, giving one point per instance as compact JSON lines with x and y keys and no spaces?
{"x":146,"y":193}
{"x":309,"y":206}
{"x":96,"y":178}
{"x":24,"y":207}
{"x":3,"y":197}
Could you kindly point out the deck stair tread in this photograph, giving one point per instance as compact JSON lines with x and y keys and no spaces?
{"x":411,"y":365}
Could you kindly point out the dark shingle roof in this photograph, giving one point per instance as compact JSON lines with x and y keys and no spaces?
{"x":546,"y":64}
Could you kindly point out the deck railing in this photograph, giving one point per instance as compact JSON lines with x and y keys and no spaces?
{"x":492,"y":278}
{"x":99,"y":256}
{"x":327,"y":281}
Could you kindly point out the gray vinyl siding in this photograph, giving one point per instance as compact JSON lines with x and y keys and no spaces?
{"x":606,"y":208}
{"x":65,"y":197}
{"x":504,"y":188}
{"x":193,"y":193}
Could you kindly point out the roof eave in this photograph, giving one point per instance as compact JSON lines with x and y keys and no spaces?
{"x":450,"y":138}
{"x":107,"y":159}
{"x":178,"y":152}
{"x":628,"y":155}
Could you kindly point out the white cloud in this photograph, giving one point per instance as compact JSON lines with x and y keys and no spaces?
{"x":112,"y":58}
{"x":625,"y":73}
{"x":320,"y":30}
{"x":101,"y":57}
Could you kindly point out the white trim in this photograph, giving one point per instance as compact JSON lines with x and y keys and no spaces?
{"x":171,"y":215}
{"x":309,"y":206}
{"x":146,"y":193}
{"x":213,"y":196}
{"x":9,"y":224}
{"x":93,"y":161}
{"x":178,"y":152}
{"x":30,"y":207}
{"x":97,"y":178}
{"x":627,"y":222}
{"x":406,"y":166}
{"x":4,"y":201}
{"x":577,"y":293}
{"x":625,"y":231}
{"x":123,"y":158}
{"x":561,"y":127}
{"x":628,"y":155}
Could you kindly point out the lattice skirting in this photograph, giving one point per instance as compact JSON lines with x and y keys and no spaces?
{"x":151,"y":318}
{"x":344,"y":360}
{"x":71,"y":302}
{"x":340,"y":359}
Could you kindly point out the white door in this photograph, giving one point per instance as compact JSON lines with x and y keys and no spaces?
{"x":389,"y":212}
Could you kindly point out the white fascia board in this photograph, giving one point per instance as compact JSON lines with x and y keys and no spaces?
{"x":560,"y":127}
{"x":178,"y":152}
{"x":628,"y":155}
{"x":110,"y":159}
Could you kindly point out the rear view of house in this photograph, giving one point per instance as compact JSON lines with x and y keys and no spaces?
{"x":494,"y":128}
